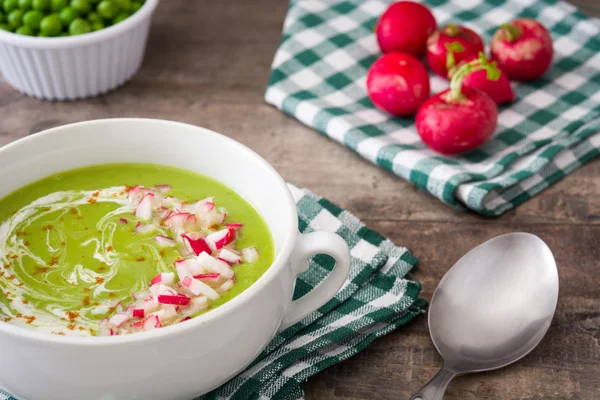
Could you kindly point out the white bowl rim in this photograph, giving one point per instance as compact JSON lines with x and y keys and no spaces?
{"x":80,"y":40}
{"x":171,"y":330}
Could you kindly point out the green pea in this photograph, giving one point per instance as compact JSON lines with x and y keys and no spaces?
{"x":96,"y":26}
{"x":108,"y":9}
{"x":32,"y":19}
{"x":83,"y":6}
{"x":124,"y":5}
{"x":10,"y":5}
{"x":79,"y":26}
{"x":5,"y":27}
{"x":51,"y":25}
{"x":25,"y":5}
{"x":15,"y":18}
{"x":136,"y":5}
{"x":94,"y":17}
{"x":42,"y":5}
{"x":58,"y":5}
{"x":67,"y":15}
{"x":121,"y":16}
{"x":25,"y":30}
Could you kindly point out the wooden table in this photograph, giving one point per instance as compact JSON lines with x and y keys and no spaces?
{"x":208,"y":64}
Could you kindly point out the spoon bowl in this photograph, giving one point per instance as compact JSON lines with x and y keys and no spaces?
{"x":492,"y":307}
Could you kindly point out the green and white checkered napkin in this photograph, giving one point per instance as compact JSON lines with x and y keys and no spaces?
{"x":553,"y":127}
{"x":376,"y":299}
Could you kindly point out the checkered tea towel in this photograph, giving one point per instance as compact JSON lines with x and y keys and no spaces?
{"x":377,"y":298}
{"x":552,"y":128}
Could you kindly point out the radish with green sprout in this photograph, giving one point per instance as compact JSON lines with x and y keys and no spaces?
{"x":404,"y":27}
{"x":523,"y":49}
{"x":499,"y":89}
{"x":461,"y":118}
{"x":449,"y":46}
{"x":398,"y":83}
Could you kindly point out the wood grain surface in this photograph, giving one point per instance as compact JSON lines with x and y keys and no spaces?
{"x":208,"y":64}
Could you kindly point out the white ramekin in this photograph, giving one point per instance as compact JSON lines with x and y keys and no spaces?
{"x":69,"y":68}
{"x":181,"y":361}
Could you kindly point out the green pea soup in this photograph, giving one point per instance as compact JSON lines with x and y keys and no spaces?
{"x":69,"y":257}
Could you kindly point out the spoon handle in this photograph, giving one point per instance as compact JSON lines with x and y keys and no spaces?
{"x":435,"y":389}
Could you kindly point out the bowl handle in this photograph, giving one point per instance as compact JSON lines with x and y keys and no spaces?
{"x":308,"y":245}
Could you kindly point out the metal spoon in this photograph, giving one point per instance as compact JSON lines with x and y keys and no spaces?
{"x":491,"y":308}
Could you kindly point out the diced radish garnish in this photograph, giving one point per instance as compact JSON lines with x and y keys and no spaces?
{"x":135,"y":194}
{"x":176,"y":221}
{"x":150,"y":305}
{"x":119,"y":319}
{"x":198,"y":287}
{"x":209,"y":205}
{"x":163,"y":188}
{"x":138,"y":313}
{"x":196,"y":305}
{"x":152,"y":322}
{"x":250,"y":254}
{"x":182,"y":269}
{"x":163,"y":212}
{"x":221,"y":238}
{"x":166,"y":278}
{"x":230,"y":257}
{"x":137,"y":324}
{"x":210,"y":277}
{"x":111,"y":332}
{"x":179,"y":299}
{"x":212,"y":265}
{"x":226,"y":286}
{"x":234,"y":225}
{"x":144,"y":209}
{"x":191,"y":267}
{"x":139,"y":228}
{"x":190,"y":222}
{"x":197,"y":245}
{"x":160,"y":289}
{"x":164,"y":241}
{"x":123,"y":221}
{"x":186,"y":319}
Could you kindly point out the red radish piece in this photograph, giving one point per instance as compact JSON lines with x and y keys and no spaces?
{"x":226,"y":286}
{"x":138,"y":313}
{"x":461,"y":118}
{"x":123,"y":221}
{"x":160,"y":289}
{"x":198,"y":287}
{"x":176,"y":221}
{"x":135,"y":194}
{"x":250,"y":254}
{"x":230,"y":257}
{"x":188,"y":267}
{"x":213,"y":276}
{"x":166,"y":278}
{"x":220,"y":239}
{"x":152,"y":322}
{"x":164,"y":241}
{"x":118,"y":319}
{"x":197,"y":245}
{"x":499,"y":90}
{"x":398,"y":83}
{"x":144,"y":209}
{"x":212,"y":265}
{"x":179,"y":299}
{"x":186,"y":319}
{"x":137,"y":324}
{"x":139,"y":228}
{"x":522,"y":49}
{"x":150,"y":305}
{"x":163,"y":188}
{"x":451,"y":45}
{"x":404,"y":27}
{"x":209,"y":205}
{"x":234,"y":225}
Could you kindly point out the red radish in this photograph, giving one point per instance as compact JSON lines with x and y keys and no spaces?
{"x":137,"y":324}
{"x":144,"y":209}
{"x":221,"y":238}
{"x":234,"y":225}
{"x":213,"y":276}
{"x":123,"y":221}
{"x":460,"y":118}
{"x":166,"y":278}
{"x":186,"y":319}
{"x":198,"y":287}
{"x":190,"y":266}
{"x":451,"y":45}
{"x":138,"y":313}
{"x":229,"y":256}
{"x":150,"y":305}
{"x":139,"y":228}
{"x":179,"y":299}
{"x":197,"y":245}
{"x":135,"y":194}
{"x":164,"y":241}
{"x":404,"y":27}
{"x":250,"y":254}
{"x":499,"y":90}
{"x":212,"y":265}
{"x":226,"y":286}
{"x":209,"y":205}
{"x":152,"y":322}
{"x":163,"y":188}
{"x":523,"y":49}
{"x":118,"y":319}
{"x":398,"y":83}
